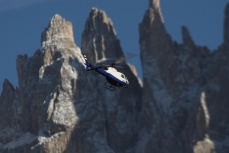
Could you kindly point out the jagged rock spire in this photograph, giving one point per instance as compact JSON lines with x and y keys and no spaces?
{"x":187,"y":39}
{"x":226,"y":24}
{"x":152,"y":31}
{"x":99,"y":22}
{"x":7,"y":91}
{"x":58,"y":30}
{"x":99,"y":37}
{"x":7,"y":85}
{"x":57,"y":38}
{"x":155,"y":4}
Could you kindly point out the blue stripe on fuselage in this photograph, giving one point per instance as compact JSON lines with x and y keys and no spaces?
{"x":104,"y":73}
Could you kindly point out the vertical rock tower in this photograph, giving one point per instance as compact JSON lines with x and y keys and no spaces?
{"x":183,"y":84}
{"x":99,"y":37}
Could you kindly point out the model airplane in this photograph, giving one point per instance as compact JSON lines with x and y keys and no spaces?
{"x":113,"y":77}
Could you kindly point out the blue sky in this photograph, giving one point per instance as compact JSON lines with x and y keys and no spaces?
{"x":22,"y":21}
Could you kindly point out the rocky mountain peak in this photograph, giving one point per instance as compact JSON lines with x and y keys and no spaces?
{"x":186,"y":37}
{"x":7,"y":85}
{"x":8,"y":92}
{"x":57,"y":31}
{"x":152,"y":31}
{"x":100,"y":22}
{"x":226,"y":24}
{"x":154,"y":11}
{"x":57,"y":39}
{"x":99,"y":37}
{"x":155,"y":4}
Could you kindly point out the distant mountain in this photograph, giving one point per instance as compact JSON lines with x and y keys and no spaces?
{"x":59,"y":107}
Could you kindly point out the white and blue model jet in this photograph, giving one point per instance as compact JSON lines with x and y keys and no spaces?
{"x":115,"y":78}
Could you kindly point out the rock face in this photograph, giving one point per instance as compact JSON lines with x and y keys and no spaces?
{"x":59,"y":107}
{"x":48,"y":82}
{"x":182,"y":89}
{"x":116,"y":113}
{"x":99,"y":37}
